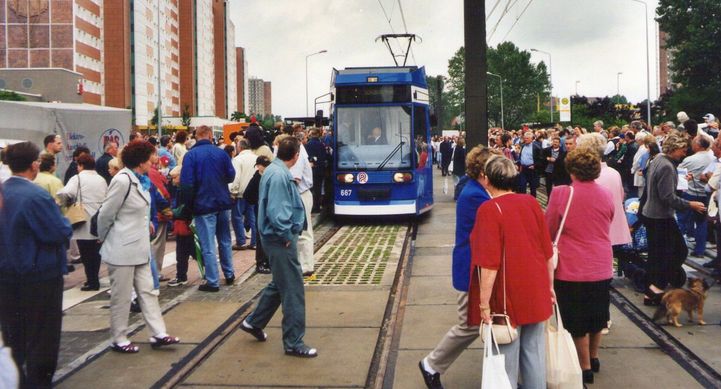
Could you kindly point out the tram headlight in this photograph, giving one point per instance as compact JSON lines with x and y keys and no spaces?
{"x":345,"y":178}
{"x":402,"y":177}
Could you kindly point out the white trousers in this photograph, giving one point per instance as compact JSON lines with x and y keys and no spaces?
{"x":305,"y":240}
{"x":122,"y":281}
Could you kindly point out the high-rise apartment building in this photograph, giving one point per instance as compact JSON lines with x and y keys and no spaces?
{"x":242,"y":79}
{"x":224,"y":37}
{"x":231,"y":82}
{"x":204,"y":58}
{"x":256,"y":96}
{"x":267,"y":98}
{"x":55,"y":34}
{"x":665,"y":58}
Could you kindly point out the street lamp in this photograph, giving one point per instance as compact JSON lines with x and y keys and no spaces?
{"x":577,"y":82}
{"x":618,"y":84}
{"x":648,"y":64}
{"x":503,"y":126}
{"x":550,"y":75}
{"x":306,"y":78}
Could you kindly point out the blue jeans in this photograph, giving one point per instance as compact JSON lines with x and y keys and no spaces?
{"x":209,"y":227}
{"x":527,"y":177}
{"x":694,"y":224}
{"x":155,"y":273}
{"x":243,"y":214}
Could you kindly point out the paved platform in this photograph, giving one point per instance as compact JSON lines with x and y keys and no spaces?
{"x":369,"y":333}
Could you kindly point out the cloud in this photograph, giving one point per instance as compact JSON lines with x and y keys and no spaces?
{"x":590,"y":40}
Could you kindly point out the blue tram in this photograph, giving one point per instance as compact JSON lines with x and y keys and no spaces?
{"x":381,"y":132}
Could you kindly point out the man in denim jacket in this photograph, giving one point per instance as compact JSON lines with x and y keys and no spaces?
{"x":281,"y":218}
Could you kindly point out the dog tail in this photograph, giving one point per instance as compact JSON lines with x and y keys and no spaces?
{"x":660,"y":312}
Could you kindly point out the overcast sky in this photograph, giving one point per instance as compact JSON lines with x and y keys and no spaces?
{"x":590,"y":40}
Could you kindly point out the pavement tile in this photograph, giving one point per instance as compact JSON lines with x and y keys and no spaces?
{"x":424,"y":251}
{"x":433,"y":265}
{"x":641,"y":368}
{"x":431,"y":290}
{"x":425,"y":325}
{"x":139,"y":370}
{"x":344,"y":357}
{"x":342,"y":309}
{"x":193,"y":321}
{"x":436,"y":240}
{"x":464,"y":373}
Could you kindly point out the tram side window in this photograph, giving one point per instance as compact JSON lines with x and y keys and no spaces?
{"x":420,"y":124}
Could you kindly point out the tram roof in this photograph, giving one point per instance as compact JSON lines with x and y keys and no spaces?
{"x":382,"y":75}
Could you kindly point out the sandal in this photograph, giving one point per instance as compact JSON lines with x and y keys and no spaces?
{"x":127,"y":349}
{"x":156,"y":342}
{"x":302,"y":352}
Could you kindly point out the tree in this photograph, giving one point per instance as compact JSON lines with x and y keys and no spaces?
{"x":185,"y":119}
{"x":694,"y":37}
{"x":237,"y":116}
{"x":523,"y":83}
{"x":10,"y":96}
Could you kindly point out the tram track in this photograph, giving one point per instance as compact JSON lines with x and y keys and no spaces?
{"x":184,"y":368}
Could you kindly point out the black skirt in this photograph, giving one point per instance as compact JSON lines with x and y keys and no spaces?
{"x":584,"y":306}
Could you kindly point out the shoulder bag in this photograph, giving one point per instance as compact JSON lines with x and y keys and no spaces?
{"x":563,"y":371}
{"x":76,"y":212}
{"x":554,"y":257}
{"x":94,"y":219}
{"x":503,"y":332}
{"x":494,"y":365}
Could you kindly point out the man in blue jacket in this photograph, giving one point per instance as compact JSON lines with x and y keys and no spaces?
{"x":207,"y":171}
{"x":33,"y":239}
{"x":281,"y":218}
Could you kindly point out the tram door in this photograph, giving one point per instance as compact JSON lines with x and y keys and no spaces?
{"x":424,"y":156}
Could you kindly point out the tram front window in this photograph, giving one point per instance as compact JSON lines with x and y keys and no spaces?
{"x":374,"y":137}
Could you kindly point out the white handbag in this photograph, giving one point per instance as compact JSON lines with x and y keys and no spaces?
{"x":554,"y":257}
{"x":563,"y":371}
{"x":503,"y":332}
{"x":453,"y":155}
{"x":494,"y":366}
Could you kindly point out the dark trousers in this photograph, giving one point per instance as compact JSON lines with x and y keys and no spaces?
{"x":526,"y":178}
{"x":90,"y":256}
{"x":549,"y":183}
{"x":261,"y":259}
{"x":184,"y":249}
{"x":31,"y":318}
{"x":317,"y":189}
{"x":444,"y":167}
{"x":666,"y":251}
{"x":285,"y":289}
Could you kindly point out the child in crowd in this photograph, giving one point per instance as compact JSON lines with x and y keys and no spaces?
{"x":184,"y":245}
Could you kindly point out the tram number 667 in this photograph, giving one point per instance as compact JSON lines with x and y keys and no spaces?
{"x":346,"y":192}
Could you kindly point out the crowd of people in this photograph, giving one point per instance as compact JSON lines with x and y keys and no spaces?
{"x":567,"y":258}
{"x":121,"y":208}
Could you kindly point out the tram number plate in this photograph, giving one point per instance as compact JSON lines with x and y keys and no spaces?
{"x":346,"y":192}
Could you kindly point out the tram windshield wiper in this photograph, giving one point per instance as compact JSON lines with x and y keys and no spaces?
{"x":388,"y":158}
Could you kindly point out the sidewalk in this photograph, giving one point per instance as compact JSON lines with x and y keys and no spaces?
{"x":630,"y":359}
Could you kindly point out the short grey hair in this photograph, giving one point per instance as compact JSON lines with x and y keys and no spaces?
{"x":598,"y":123}
{"x":109,"y":145}
{"x":501,"y":172}
{"x":594,"y":141}
{"x":243,"y":145}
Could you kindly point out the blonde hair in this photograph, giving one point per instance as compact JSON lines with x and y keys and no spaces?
{"x":674,"y":141}
{"x":593,"y":141}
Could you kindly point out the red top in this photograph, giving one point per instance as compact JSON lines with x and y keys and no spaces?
{"x":522,"y":230}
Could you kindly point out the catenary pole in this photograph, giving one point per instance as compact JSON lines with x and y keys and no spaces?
{"x":476,"y":105}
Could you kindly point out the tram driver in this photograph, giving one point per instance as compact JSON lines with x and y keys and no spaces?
{"x":377,"y":137}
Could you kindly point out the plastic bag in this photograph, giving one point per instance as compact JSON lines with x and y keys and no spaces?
{"x":494,"y":366}
{"x":563,"y":371}
{"x":445,"y":185}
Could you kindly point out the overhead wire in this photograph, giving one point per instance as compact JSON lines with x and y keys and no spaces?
{"x":493,"y":9}
{"x":388,"y":19}
{"x":405,"y":27}
{"x":517,"y":19}
{"x":506,"y":8}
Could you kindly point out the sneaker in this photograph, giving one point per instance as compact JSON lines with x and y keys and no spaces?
{"x":433,"y":381}
{"x":230,"y":281}
{"x":257,"y":333}
{"x":177,"y":282}
{"x":262,"y":269}
{"x":208,"y":288}
{"x":238,"y":247}
{"x":302,"y":352}
{"x":691,"y":239}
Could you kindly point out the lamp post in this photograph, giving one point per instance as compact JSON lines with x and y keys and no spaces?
{"x":648,"y":64}
{"x":577,"y":82}
{"x":618,"y":84}
{"x":160,"y":90}
{"x":503,"y":126}
{"x":306,"y":78}
{"x":550,"y":75}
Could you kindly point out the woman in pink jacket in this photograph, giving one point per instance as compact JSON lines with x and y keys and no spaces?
{"x":583,"y":276}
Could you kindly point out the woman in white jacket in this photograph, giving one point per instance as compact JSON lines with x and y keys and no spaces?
{"x":124,"y":227}
{"x":88,"y":188}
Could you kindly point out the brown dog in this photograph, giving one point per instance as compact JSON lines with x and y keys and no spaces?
{"x":676,"y":300}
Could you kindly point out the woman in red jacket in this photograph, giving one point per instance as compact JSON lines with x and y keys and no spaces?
{"x":510,"y":244}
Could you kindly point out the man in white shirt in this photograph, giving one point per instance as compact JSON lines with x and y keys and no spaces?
{"x":244,"y":165}
{"x":303,"y":175}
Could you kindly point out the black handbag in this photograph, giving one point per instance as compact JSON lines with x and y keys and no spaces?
{"x":94,"y":218}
